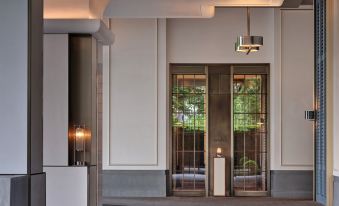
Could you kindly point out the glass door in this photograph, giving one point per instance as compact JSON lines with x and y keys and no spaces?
{"x":250,"y":135}
{"x":189,"y":133}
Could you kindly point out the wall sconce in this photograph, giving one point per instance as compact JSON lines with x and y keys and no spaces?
{"x":80,"y":135}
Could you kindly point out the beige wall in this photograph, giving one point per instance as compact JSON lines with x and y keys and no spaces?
{"x":297,"y":79}
{"x":136,"y":137}
{"x":210,"y":41}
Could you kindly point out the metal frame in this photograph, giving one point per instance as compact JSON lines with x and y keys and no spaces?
{"x":232,"y":133}
{"x":194,"y":70}
{"x":265,"y":71}
{"x":320,"y":81}
{"x":207,"y":136}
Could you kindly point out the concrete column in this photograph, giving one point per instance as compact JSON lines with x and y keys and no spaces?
{"x":22,"y":181}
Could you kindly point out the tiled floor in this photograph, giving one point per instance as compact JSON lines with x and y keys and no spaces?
{"x":194,"y":201}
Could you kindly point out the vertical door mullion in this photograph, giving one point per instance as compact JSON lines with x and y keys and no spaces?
{"x":206,"y":139}
{"x":194,"y":133}
{"x":183,"y":136}
{"x":232,"y":127}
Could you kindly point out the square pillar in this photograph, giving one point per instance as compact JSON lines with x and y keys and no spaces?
{"x":21,"y":103}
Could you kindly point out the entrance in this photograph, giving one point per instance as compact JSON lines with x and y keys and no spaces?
{"x":189,"y":134}
{"x":219,"y":107}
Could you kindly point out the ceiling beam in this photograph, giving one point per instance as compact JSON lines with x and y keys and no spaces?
{"x":158,"y":9}
{"x":177,"y":8}
{"x":95,"y":27}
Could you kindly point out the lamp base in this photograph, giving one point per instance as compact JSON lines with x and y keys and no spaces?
{"x":80,"y":163}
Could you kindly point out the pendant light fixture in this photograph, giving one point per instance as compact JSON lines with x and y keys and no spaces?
{"x":248,"y":43}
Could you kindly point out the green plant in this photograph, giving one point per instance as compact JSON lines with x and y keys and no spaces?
{"x":188,"y":108}
{"x":245,"y":162}
{"x":247,"y":103}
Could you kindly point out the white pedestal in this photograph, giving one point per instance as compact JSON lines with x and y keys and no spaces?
{"x":219,"y":177}
{"x":66,"y":186}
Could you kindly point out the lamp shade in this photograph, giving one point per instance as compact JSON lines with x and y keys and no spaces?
{"x":250,"y":41}
{"x":245,"y":49}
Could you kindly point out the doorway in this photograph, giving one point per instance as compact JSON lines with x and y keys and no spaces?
{"x":189,"y":135}
{"x":250,"y":132}
{"x":219,"y":107}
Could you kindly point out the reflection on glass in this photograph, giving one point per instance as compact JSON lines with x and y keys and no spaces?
{"x":250,"y":133}
{"x":188,"y":132}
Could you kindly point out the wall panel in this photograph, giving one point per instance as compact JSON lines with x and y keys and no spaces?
{"x":14,"y":87}
{"x":55,"y":105}
{"x":133,"y":137}
{"x":297,"y":80}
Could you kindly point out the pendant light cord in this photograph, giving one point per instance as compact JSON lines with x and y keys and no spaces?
{"x":248,"y":22}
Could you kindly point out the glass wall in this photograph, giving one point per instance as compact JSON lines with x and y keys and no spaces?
{"x":188,"y":132}
{"x":250,"y":165}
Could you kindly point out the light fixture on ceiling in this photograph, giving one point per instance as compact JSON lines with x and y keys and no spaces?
{"x":248,"y":43}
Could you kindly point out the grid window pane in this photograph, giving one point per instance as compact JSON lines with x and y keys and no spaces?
{"x":188,"y":136}
{"x":250,"y":132}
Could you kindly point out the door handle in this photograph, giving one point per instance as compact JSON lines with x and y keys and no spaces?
{"x":310,"y":115}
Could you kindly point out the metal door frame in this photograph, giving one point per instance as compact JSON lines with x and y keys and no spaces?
{"x":266,"y":71}
{"x":197,"y":69}
{"x":204,"y":70}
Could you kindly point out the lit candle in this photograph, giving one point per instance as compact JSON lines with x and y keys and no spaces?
{"x":219,"y":151}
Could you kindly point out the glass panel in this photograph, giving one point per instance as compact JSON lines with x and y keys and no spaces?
{"x":178,"y":102}
{"x":250,"y":133}
{"x":189,"y":140}
{"x":200,"y":84}
{"x":178,"y":170}
{"x":178,"y":83}
{"x":188,"y":136}
{"x":200,"y":139}
{"x":188,"y":179}
{"x":200,"y":170}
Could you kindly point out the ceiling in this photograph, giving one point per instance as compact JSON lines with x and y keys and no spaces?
{"x":75,"y":9}
{"x":186,"y":8}
{"x":177,"y":8}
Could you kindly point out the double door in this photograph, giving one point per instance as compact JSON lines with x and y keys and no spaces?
{"x":225,"y":107}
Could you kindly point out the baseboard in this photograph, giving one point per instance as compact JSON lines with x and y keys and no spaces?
{"x":122,"y":183}
{"x":14,"y":190}
{"x":295,"y":184}
{"x":336,"y":191}
{"x":38,"y":189}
